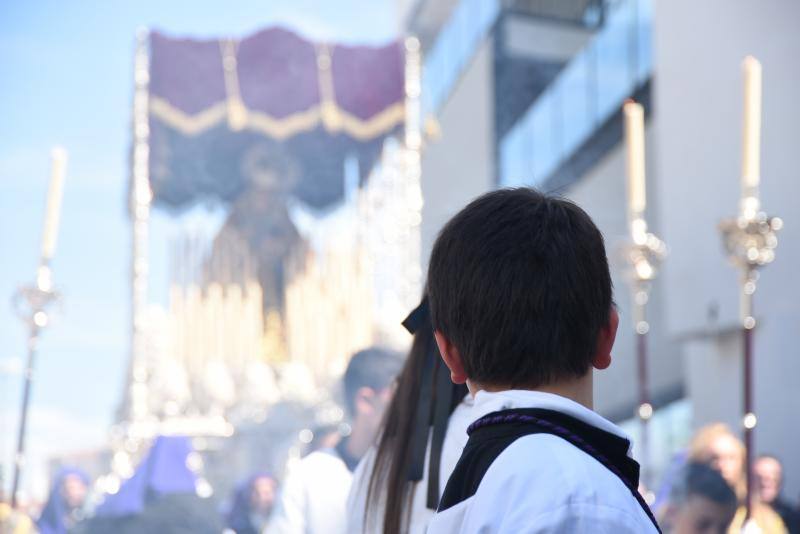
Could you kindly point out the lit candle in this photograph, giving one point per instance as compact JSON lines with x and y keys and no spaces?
{"x":634,"y":140}
{"x":751,"y":139}
{"x":53,"y":210}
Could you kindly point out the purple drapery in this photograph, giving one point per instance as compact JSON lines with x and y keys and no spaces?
{"x":164,"y":471}
{"x":307,"y":106}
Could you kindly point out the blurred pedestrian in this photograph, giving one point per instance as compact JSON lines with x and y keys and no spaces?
{"x":397,"y":486}
{"x":313,"y":498}
{"x":718,"y":447}
{"x":252,"y":504}
{"x":700,"y":502}
{"x":768,"y":473}
{"x":161,"y":496}
{"x":64,"y":507}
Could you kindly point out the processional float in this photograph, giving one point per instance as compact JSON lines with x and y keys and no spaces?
{"x":256,"y":125}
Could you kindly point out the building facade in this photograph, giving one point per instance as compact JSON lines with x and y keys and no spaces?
{"x":530,"y":93}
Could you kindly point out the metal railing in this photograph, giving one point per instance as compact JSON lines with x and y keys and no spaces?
{"x":585,"y":94}
{"x":455,"y":46}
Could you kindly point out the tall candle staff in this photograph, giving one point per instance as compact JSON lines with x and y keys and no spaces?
{"x":32,"y":302}
{"x":750,"y":241}
{"x":645,"y":253}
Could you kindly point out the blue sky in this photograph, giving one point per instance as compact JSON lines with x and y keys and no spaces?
{"x":66,"y":78}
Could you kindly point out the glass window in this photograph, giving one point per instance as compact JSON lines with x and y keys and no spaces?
{"x":644,"y":40}
{"x":590,"y":88}
{"x":471,"y":28}
{"x":576,"y":118}
{"x":457,"y":31}
{"x":542,"y":135}
{"x":514,"y":170}
{"x":489,"y":9}
{"x":446,"y":63}
{"x":454,"y":47}
{"x":614,"y":63}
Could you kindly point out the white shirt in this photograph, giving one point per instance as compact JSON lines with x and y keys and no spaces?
{"x":419,"y":515}
{"x":313,"y":497}
{"x":541,"y":483}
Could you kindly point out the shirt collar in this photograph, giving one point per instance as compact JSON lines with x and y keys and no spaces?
{"x":488,"y":402}
{"x":341,"y":451}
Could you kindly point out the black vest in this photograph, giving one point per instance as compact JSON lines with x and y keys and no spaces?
{"x":491,"y":434}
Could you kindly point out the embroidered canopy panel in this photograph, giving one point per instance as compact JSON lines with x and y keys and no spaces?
{"x":273,"y":112}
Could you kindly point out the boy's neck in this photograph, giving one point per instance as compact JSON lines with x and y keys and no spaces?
{"x":580,"y":390}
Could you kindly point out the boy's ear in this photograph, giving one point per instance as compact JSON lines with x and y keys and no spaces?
{"x":605,"y":341}
{"x":452,"y":358}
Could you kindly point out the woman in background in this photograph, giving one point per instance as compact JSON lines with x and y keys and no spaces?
{"x":717,"y":446}
{"x":396,"y":487}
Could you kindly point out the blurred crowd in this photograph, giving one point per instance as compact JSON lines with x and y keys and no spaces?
{"x":702,"y":492}
{"x":706,"y":488}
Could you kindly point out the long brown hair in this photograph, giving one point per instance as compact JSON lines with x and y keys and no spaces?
{"x":390,"y":483}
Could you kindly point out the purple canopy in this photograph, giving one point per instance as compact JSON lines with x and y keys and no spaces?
{"x":223,"y":113}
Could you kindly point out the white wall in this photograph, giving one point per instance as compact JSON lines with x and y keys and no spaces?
{"x":460,"y":165}
{"x":698,"y":102}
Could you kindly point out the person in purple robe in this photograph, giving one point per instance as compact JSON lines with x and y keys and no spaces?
{"x":252,"y":504}
{"x":161,"y":496}
{"x":64,"y":507}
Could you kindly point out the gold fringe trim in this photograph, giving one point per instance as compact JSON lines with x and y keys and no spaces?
{"x":376,"y":125}
{"x":282,"y":129}
{"x":329,"y":115}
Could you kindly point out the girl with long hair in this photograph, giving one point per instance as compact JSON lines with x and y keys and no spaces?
{"x":397,"y":485}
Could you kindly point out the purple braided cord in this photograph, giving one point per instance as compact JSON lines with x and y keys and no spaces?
{"x":499,"y":419}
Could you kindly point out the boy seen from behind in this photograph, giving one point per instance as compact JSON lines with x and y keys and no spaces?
{"x":521,"y":303}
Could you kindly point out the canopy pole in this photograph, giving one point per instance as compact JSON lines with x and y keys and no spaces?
{"x":137,"y":409}
{"x":412,"y":166}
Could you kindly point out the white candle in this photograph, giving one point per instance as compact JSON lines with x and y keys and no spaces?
{"x":634,"y":140}
{"x":751,"y":138}
{"x":54,"y":195}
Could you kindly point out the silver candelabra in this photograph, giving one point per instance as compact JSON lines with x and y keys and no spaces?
{"x":645,"y":253}
{"x":31,"y":304}
{"x":750,"y":241}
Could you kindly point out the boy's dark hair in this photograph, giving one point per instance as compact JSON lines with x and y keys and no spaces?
{"x":697,"y":478}
{"x":518,"y":281}
{"x":374,"y":368}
